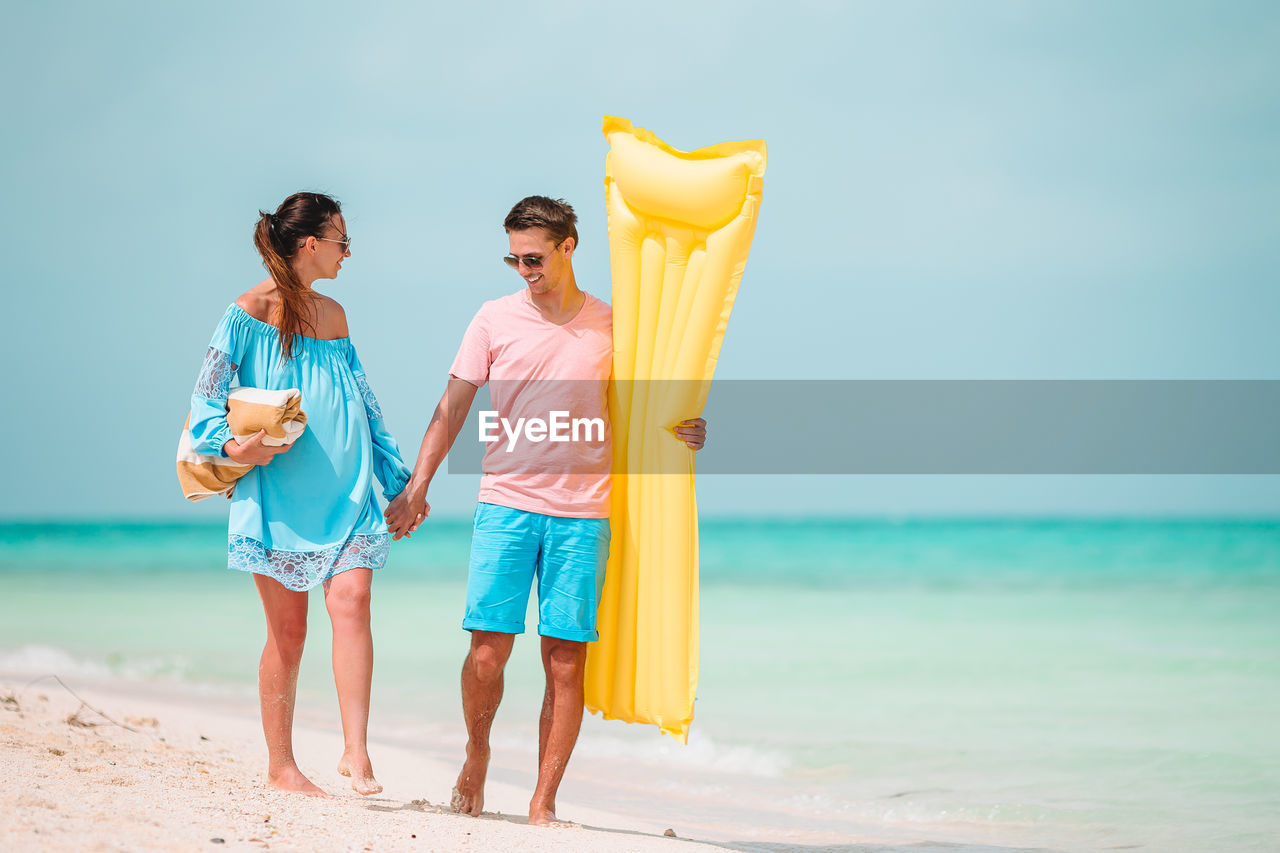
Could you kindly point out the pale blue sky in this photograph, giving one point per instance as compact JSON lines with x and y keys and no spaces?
{"x":955,"y":190}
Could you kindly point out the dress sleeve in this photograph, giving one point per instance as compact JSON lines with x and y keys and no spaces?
{"x":388,"y":465}
{"x":208,"y":416}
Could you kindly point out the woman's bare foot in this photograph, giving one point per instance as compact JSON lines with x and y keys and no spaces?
{"x":291,"y":779}
{"x":361,"y":772}
{"x":468,"y":792}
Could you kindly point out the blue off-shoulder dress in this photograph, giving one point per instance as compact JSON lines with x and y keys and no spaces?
{"x":311,"y":513}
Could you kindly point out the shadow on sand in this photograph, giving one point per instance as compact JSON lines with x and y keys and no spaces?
{"x":427,"y":807}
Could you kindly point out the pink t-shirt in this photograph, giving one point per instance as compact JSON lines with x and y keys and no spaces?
{"x":559,"y":375}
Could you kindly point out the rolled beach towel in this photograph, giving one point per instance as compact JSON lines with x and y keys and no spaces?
{"x":248,"y":410}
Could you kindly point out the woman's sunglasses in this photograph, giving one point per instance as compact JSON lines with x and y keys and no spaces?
{"x":345,"y":241}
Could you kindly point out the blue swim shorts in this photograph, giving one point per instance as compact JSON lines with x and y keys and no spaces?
{"x":512,"y":547}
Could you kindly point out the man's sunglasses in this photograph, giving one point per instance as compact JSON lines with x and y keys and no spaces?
{"x":533,"y":262}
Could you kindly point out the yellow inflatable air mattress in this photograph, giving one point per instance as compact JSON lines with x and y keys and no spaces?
{"x":680,"y":227}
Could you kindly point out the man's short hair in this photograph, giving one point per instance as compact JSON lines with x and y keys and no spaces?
{"x":554,"y":215}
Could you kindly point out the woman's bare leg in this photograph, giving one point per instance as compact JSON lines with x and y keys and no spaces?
{"x":347,"y":596}
{"x":286,"y":613}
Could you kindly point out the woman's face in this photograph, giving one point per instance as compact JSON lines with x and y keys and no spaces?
{"x":332,"y":248}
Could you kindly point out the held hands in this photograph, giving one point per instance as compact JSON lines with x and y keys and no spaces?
{"x":253,"y":451}
{"x":693,"y":432}
{"x":406,"y":511}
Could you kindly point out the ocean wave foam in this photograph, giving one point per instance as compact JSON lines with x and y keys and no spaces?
{"x":50,"y":660}
{"x":701,"y":753}
{"x":32,"y":660}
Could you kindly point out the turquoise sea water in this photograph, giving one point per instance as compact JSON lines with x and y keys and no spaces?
{"x":1065,"y":684}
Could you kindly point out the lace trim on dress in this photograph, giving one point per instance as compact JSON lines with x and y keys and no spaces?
{"x":302,"y":570}
{"x":370,"y":402}
{"x":214,"y":381}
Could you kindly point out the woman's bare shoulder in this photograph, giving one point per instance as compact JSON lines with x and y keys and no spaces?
{"x":333,"y":319}
{"x":257,"y":301}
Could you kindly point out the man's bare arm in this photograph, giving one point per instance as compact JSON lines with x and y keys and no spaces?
{"x":406,"y":512}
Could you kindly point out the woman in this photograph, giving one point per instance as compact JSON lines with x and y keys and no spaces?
{"x":306,"y":514}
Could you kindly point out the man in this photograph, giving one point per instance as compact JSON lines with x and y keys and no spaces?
{"x":543,"y":512}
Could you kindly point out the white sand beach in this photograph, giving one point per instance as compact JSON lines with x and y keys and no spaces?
{"x":183,"y":777}
{"x":139,"y":767}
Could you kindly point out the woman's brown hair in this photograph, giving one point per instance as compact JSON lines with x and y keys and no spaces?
{"x":277,"y":237}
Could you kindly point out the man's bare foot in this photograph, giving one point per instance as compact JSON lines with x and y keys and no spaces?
{"x":468,"y":792}
{"x":539,"y":816}
{"x":361,"y":772}
{"x":291,"y":779}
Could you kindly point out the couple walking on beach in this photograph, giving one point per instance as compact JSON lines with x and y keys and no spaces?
{"x":306,"y":515}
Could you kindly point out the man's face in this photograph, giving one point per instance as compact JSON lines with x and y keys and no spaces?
{"x":536,"y":245}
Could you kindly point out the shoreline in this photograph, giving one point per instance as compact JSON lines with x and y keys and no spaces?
{"x":878,"y":688}
{"x":182,"y":775}
{"x":190,"y":769}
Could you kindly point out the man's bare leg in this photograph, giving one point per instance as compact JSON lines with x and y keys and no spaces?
{"x":286,"y":613}
{"x":565,"y":663}
{"x":347,"y":597}
{"x":481,"y":693}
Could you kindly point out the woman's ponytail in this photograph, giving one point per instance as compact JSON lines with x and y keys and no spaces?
{"x":277,"y":237}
